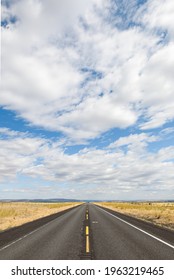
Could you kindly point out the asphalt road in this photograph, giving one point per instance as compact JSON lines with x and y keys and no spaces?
{"x":87,"y":232}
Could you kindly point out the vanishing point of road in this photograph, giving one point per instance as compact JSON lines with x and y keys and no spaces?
{"x":87,"y":232}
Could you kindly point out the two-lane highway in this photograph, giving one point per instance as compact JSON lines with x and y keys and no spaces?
{"x":91,"y":232}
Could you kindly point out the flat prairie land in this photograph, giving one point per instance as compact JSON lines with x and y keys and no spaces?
{"x":159,"y":213}
{"x":17,"y":213}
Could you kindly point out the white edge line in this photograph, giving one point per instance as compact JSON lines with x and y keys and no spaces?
{"x":145,"y":232}
{"x":26,"y":235}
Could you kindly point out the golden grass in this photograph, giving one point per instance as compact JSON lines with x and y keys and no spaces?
{"x":160,"y":213}
{"x":17,"y":213}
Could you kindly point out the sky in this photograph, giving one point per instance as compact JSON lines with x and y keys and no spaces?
{"x":87,"y":99}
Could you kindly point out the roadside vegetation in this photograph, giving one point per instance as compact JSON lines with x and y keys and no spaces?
{"x":17,"y":213}
{"x":160,"y":213}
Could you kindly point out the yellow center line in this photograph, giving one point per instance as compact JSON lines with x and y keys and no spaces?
{"x":87,"y":234}
{"x":87,"y":244}
{"x":87,"y":230}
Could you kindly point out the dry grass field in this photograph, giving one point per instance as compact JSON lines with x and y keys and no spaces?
{"x":160,"y":213}
{"x":17,"y":213}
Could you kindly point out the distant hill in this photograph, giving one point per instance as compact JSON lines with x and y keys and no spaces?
{"x":41,"y":200}
{"x":50,"y":200}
